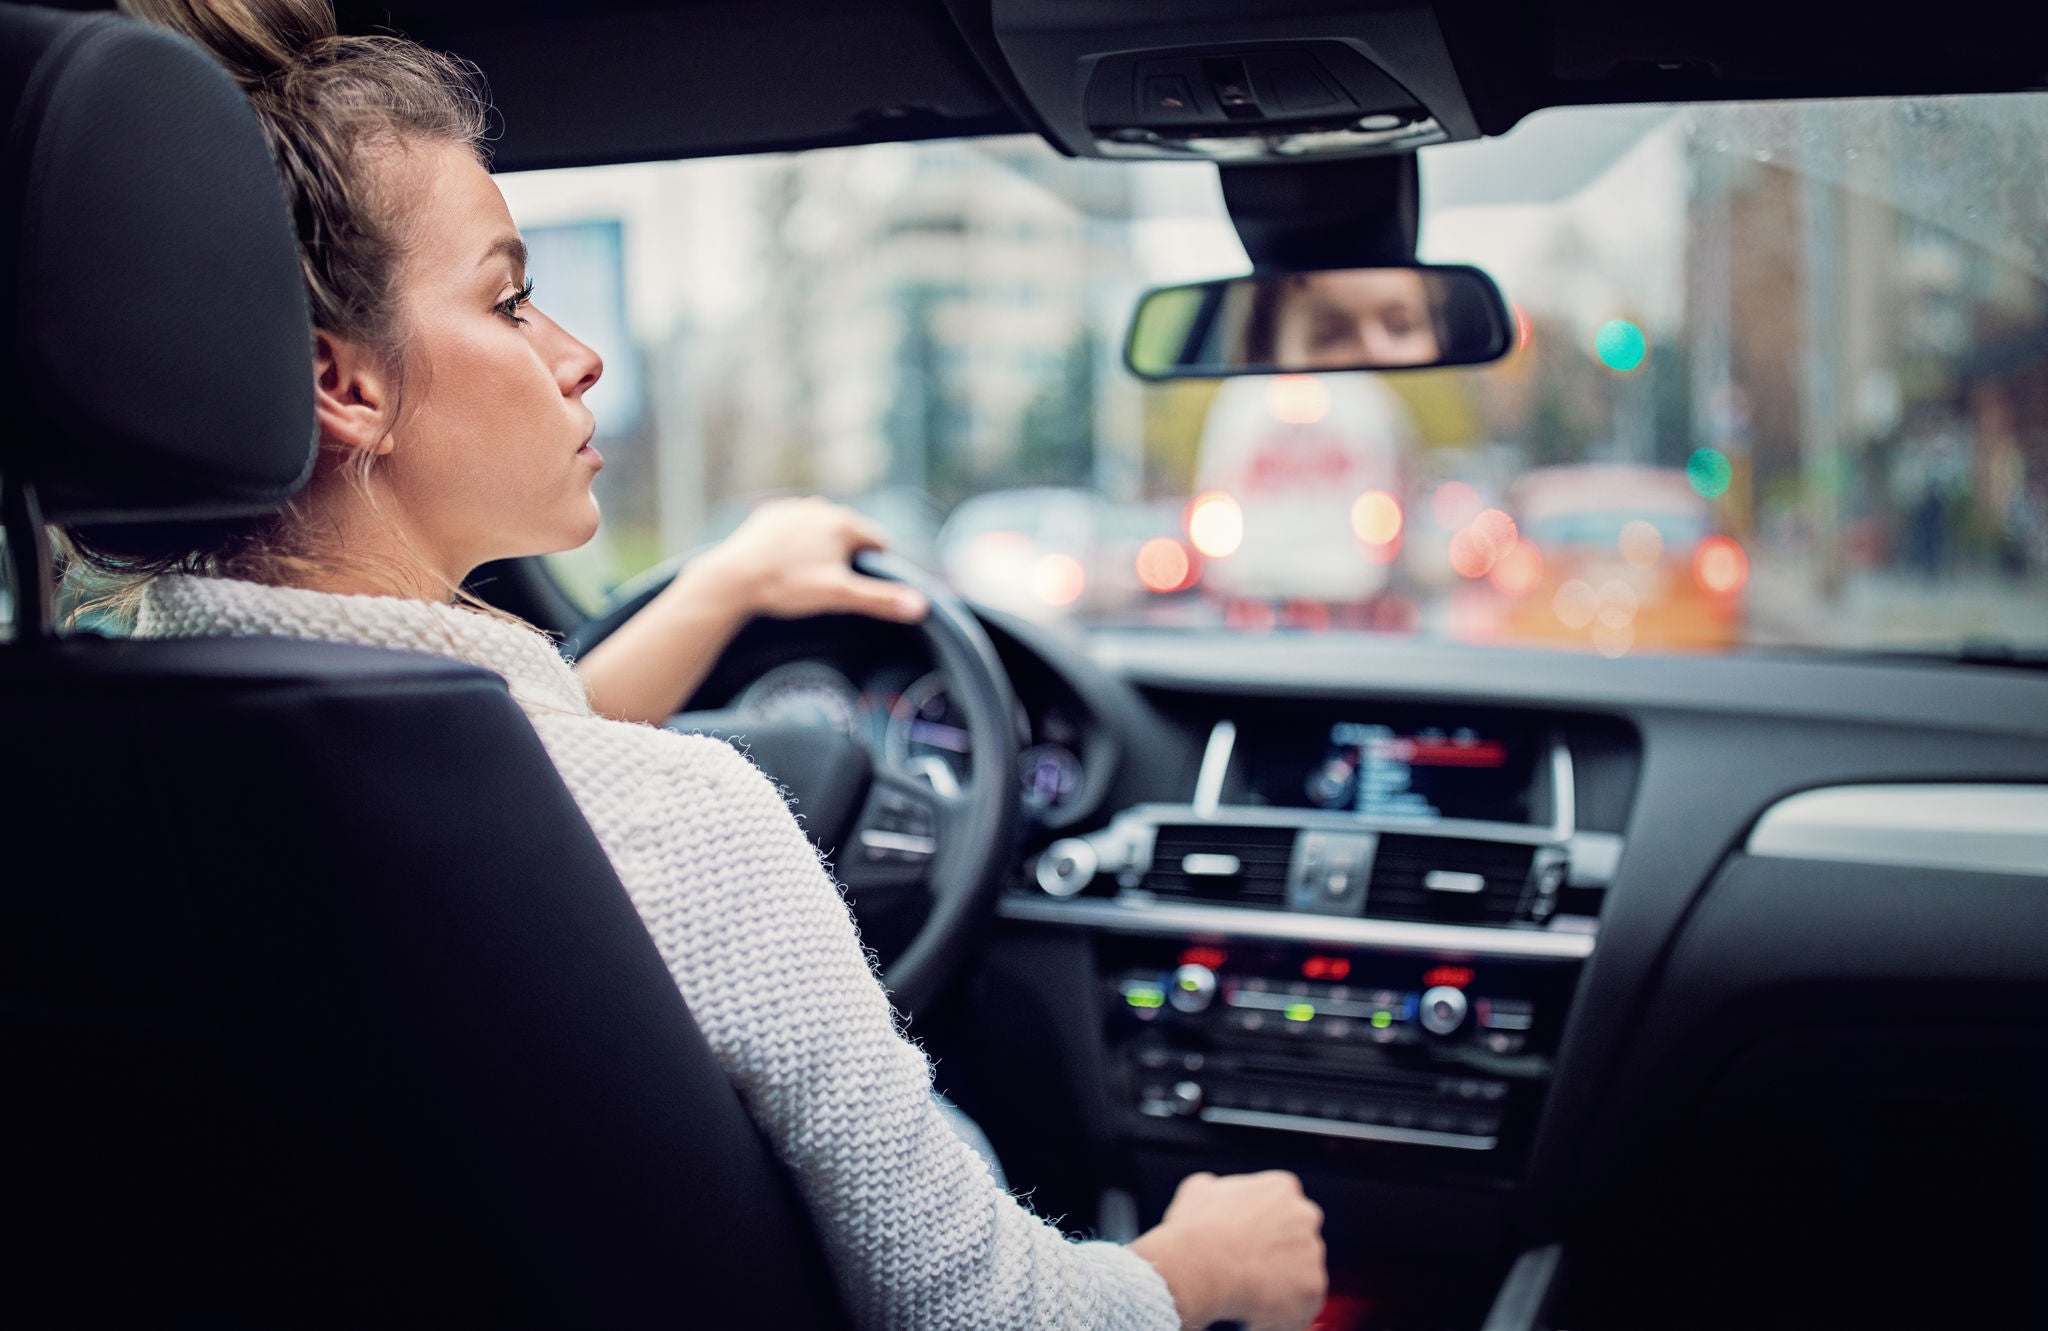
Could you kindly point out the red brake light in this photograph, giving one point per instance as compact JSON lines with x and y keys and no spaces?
{"x":1720,"y":566}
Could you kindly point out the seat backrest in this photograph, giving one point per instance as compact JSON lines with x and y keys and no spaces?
{"x":319,"y":1001}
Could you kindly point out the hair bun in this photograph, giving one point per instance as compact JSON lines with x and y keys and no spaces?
{"x":253,"y":39}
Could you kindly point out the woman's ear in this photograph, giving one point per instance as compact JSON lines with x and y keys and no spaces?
{"x":351,"y":394}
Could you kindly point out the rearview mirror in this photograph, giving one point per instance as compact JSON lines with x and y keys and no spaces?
{"x":1337,"y":319}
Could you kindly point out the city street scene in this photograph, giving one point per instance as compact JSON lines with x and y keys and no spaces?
{"x":1781,"y":381}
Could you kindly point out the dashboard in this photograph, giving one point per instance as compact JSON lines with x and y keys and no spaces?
{"x":901,"y":713}
{"x":1669,"y":961}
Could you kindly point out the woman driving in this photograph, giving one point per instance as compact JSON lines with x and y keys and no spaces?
{"x":453,"y":431}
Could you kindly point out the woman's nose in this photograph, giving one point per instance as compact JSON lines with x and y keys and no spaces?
{"x":577,"y":365}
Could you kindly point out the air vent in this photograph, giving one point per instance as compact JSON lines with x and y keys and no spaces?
{"x":1243,"y":865}
{"x":1447,"y":880}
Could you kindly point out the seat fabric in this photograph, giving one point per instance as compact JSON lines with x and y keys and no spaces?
{"x":321,"y":1005}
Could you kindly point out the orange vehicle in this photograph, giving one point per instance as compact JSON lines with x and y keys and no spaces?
{"x":1612,"y":558}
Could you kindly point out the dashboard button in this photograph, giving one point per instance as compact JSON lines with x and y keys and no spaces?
{"x":1193,"y":989}
{"x":1443,"y":1010}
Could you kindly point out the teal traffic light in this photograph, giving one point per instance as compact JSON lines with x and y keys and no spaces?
{"x":1621,"y":345}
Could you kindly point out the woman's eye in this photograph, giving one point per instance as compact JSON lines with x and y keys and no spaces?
{"x":510,"y":306}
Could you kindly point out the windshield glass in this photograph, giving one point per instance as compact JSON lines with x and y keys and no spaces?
{"x":1781,"y":378}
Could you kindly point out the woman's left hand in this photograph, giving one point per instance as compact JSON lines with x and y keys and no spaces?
{"x":790,"y":559}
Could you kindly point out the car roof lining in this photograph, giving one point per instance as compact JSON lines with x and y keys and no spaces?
{"x":581,"y":82}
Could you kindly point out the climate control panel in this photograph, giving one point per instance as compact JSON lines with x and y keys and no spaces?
{"x":1366,"y":1045}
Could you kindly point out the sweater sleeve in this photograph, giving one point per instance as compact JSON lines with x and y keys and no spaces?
{"x":764,"y":950}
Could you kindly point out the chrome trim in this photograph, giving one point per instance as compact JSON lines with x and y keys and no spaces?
{"x":1215,"y":766}
{"x":1564,"y":790}
{"x":1973,"y":828}
{"x":1086,"y":866}
{"x":905,"y":842}
{"x":1325,"y":1007}
{"x":1447,"y":880}
{"x":1172,"y":920}
{"x":1325,"y":1127}
{"x":1327,"y":820}
{"x":1201,"y":865}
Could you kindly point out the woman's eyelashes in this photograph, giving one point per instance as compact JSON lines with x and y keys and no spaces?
{"x":510,"y":306}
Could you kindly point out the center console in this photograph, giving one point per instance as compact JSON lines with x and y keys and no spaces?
{"x":1362,"y":928}
{"x":1339,"y":1043}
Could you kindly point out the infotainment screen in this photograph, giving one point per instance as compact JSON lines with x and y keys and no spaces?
{"x":1385,"y":769}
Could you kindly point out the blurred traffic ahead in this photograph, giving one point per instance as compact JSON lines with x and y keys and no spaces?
{"x":1314,"y":509}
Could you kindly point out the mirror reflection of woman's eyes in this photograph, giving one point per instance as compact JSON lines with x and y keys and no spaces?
{"x":1330,"y":330}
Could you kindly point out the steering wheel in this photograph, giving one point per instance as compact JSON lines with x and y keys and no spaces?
{"x":893,"y":835}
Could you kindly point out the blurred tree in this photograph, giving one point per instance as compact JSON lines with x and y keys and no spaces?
{"x":926,"y":414}
{"x":1056,"y":437}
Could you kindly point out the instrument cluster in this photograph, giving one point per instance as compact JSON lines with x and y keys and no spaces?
{"x":907,"y":720}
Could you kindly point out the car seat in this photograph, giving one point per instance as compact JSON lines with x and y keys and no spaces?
{"x":319,"y":1002}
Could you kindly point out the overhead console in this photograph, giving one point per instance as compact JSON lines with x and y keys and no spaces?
{"x":1290,"y":80}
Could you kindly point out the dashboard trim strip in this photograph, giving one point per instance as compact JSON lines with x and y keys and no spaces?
{"x":1170,"y":919}
{"x":1215,"y":766}
{"x":1973,"y":828}
{"x":1324,"y":1127}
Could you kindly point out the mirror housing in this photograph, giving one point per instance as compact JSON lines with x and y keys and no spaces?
{"x":1396,"y":317}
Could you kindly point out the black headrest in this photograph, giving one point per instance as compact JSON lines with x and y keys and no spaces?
{"x":157,"y":361}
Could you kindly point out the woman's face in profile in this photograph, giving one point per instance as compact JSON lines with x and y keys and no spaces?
{"x":1355,"y":318}
{"x":489,"y":459}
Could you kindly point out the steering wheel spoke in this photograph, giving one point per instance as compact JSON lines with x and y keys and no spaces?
{"x":898,"y":834}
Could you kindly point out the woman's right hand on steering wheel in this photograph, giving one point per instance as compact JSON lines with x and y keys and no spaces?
{"x":1245,"y":1247}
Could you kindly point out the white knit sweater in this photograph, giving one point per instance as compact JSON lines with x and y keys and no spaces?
{"x":762,"y":947}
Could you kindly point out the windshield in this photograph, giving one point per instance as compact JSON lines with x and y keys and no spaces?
{"x":1781,"y":378}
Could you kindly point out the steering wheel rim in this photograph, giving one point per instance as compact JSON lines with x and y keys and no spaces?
{"x":977,"y":835}
{"x":976,"y":832}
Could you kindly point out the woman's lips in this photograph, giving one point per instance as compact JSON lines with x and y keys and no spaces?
{"x":589,"y":453}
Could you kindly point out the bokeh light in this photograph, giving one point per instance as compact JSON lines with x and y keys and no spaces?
{"x":1618,"y":604}
{"x":1058,"y":579}
{"x":1376,"y":517}
{"x":1215,"y":524}
{"x":1612,"y":640}
{"x":1454,"y":504}
{"x":994,"y":556}
{"x":1297,"y":399}
{"x":1519,"y":571}
{"x":1641,"y":543}
{"x":1575,"y":603}
{"x":1721,"y":565}
{"x":1499,"y":528}
{"x":1473,"y":552}
{"x":1621,"y":345}
{"x":1163,"y":565}
{"x":1709,"y":471}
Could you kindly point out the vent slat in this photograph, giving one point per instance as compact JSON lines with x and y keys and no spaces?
{"x":1399,"y":888}
{"x":1262,"y":853}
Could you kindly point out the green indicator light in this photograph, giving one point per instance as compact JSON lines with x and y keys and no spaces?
{"x":1621,"y":345}
{"x":1382,"y":1020}
{"x":1300,"y":1011}
{"x":1709,"y":471}
{"x":1145,"y":997}
{"x":1190,"y":984}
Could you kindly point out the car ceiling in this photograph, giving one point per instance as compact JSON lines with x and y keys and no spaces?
{"x":585,"y":81}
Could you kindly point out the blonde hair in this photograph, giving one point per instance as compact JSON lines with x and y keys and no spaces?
{"x":329,"y":106}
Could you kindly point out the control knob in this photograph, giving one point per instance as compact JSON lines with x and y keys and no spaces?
{"x":1193,"y":989}
{"x":1443,"y":1009}
{"x":1067,"y":866}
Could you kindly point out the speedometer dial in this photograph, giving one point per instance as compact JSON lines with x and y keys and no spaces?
{"x":808,"y":692}
{"x":1049,"y":775}
{"x":928,"y":734}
